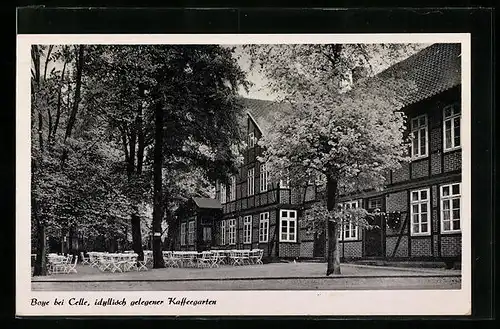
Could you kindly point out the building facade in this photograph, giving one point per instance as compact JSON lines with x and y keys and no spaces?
{"x":420,"y":203}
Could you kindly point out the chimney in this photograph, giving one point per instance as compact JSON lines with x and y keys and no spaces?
{"x":358,"y":73}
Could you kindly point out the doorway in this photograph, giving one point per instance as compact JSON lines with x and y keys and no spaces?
{"x":319,"y":244}
{"x":373,"y":241}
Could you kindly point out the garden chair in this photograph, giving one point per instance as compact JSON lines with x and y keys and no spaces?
{"x":205,"y":260}
{"x":60,"y":265}
{"x":85,"y":260}
{"x":71,"y":266}
{"x":256,"y":257}
{"x":131,"y":263}
{"x":142,"y":264}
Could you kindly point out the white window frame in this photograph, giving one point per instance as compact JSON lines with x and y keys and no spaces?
{"x":251,"y":181}
{"x":350,"y":228}
{"x":449,"y":198}
{"x":247,"y":229}
{"x":419,"y":202}
{"x":232,"y":188}
{"x":264,"y":178}
{"x":251,"y":139}
{"x":191,"y":233}
{"x":264,"y":227}
{"x":232,"y":231}
{"x":223,"y":232}
{"x":285,"y":217}
{"x":183,"y":234}
{"x":417,"y":130}
{"x":454,"y":113}
{"x":370,"y":205}
{"x":223,"y":194}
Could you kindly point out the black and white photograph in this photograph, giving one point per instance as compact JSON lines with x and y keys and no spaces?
{"x":244,"y":165}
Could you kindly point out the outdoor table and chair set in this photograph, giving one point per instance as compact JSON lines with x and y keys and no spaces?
{"x":127,"y":261}
{"x":212,"y":258}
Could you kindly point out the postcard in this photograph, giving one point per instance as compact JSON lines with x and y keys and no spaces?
{"x":243,"y":174}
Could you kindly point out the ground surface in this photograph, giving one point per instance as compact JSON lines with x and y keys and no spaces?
{"x":278,"y":276}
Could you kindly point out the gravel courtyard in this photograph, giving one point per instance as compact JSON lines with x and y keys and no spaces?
{"x":276,"y":276}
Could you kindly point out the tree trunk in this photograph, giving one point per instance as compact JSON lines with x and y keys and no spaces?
{"x":157,"y":178}
{"x":136,"y":235}
{"x":78,"y":89}
{"x":333,"y":259}
{"x":40,"y":267}
{"x":136,"y":131}
{"x":74,"y":110}
{"x":53,"y":132}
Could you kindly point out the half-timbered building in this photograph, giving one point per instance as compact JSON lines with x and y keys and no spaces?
{"x":421,"y":202}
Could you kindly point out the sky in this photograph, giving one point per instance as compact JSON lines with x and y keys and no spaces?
{"x":259,"y":89}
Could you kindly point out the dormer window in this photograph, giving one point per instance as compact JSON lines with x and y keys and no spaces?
{"x":451,"y":127}
{"x":419,"y":131}
{"x":251,"y":140}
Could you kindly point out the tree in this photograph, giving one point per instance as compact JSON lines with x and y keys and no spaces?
{"x":121,"y":79}
{"x":73,"y":169}
{"x":351,"y":134}
{"x":195,"y":114}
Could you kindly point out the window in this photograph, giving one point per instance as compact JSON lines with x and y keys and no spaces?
{"x":348,"y":231}
{"x":264,"y":227}
{"x":223,"y":193}
{"x":191,"y":232}
{"x":207,"y":233}
{"x":451,"y":127}
{"x":232,"y":188}
{"x":288,"y":226}
{"x":375,"y":204}
{"x":247,"y":229}
{"x":232,"y":231}
{"x":223,"y":232}
{"x":183,"y":234}
{"x":250,"y":181}
{"x":450,"y":208}
{"x":264,"y":177}
{"x":251,"y":140}
{"x":419,"y":212}
{"x":419,"y":133}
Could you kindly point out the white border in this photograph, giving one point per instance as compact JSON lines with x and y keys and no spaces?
{"x":393,"y":302}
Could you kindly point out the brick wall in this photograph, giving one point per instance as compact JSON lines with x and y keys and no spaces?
{"x":436,"y":138}
{"x":284,"y":196}
{"x":289,"y":250}
{"x":452,"y":161}
{"x":306,"y":249}
{"x":435,"y":163}
{"x":451,"y":246}
{"x":402,"y":250}
{"x":304,"y":235}
{"x":353,"y":249}
{"x":255,"y":230}
{"x":420,"y":168}
{"x":402,"y":174}
{"x":421,"y":247}
{"x":397,"y":201}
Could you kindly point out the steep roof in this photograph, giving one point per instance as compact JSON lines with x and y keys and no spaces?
{"x":207,"y":203}
{"x":263,"y":112}
{"x":434,"y":69}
